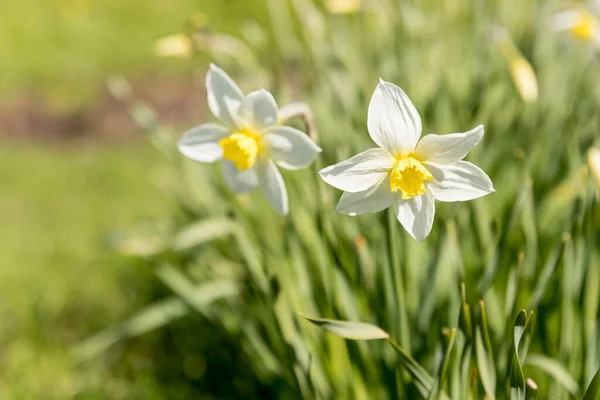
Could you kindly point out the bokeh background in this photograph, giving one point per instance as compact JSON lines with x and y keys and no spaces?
{"x":78,"y":174}
{"x":75,"y":170}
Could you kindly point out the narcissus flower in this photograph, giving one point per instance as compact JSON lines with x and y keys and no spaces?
{"x":178,"y":45}
{"x":406,"y":173}
{"x":250,"y":142}
{"x":579,"y":22}
{"x":342,"y":6}
{"x":593,"y":157}
{"x":521,"y":71}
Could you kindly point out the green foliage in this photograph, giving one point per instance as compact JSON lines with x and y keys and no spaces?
{"x":459,"y":306}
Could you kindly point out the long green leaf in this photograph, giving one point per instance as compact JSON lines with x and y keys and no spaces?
{"x":198,"y":297}
{"x":201,"y":232}
{"x":556,"y":370}
{"x":147,"y":319}
{"x":423,"y":381}
{"x":349,"y":330}
{"x":451,"y":335}
{"x":531,"y":390}
{"x":593,"y":390}
{"x":516,"y":376}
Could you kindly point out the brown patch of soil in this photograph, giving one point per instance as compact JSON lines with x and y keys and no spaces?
{"x":178,"y":101}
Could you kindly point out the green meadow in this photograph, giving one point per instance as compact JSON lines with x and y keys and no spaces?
{"x":128,"y":271}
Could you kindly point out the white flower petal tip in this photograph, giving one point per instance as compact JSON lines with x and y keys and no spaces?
{"x":374,"y":199}
{"x":224,"y":96}
{"x":360,"y":172}
{"x":239,"y":181}
{"x":290,"y":148}
{"x":416,"y":215}
{"x":461,"y":181}
{"x":393,"y":121}
{"x":446,"y":149}
{"x":202,"y":143}
{"x":273,"y":186}
{"x":258,"y":110}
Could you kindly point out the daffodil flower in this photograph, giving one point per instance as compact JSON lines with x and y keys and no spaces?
{"x":579,"y":22}
{"x":249,"y":141}
{"x":406,"y":173}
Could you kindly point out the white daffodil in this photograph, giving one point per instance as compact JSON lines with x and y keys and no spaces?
{"x":404,"y":172}
{"x":250,"y":142}
{"x":579,"y":22}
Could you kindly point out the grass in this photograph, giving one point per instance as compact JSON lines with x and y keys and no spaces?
{"x":60,"y":280}
{"x":530,"y":245}
{"x":504,"y":289}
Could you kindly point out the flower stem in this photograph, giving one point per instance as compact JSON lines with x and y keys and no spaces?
{"x":302,"y":111}
{"x":402,"y":327}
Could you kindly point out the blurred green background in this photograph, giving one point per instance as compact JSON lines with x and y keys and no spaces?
{"x":77,"y":175}
{"x":74,"y":170}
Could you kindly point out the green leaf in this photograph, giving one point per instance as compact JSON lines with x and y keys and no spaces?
{"x":147,"y":319}
{"x":198,"y":297}
{"x":423,"y":381}
{"x":349,"y":330}
{"x":485,"y":365}
{"x":516,"y":377}
{"x":465,"y":314}
{"x":593,"y":390}
{"x":531,"y":390}
{"x":451,"y":336}
{"x":547,"y":273}
{"x":556,"y":370}
{"x":202,"y":232}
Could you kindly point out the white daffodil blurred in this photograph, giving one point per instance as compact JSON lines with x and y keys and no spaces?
{"x":521,"y":71}
{"x":579,"y":22}
{"x":343,"y":6}
{"x":593,"y":156}
{"x":249,"y":140}
{"x":406,"y":173}
{"x":177,"y":45}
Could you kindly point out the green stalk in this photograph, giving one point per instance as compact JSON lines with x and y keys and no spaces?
{"x":403,"y":327}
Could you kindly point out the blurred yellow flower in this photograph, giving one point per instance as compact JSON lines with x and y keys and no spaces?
{"x":593,"y":157}
{"x":579,"y":22}
{"x":521,"y":71}
{"x":178,"y":45}
{"x":524,"y":77}
{"x":342,"y":6}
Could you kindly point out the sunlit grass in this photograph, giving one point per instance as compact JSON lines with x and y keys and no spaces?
{"x":59,"y":279}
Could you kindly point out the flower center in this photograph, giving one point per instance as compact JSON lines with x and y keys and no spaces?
{"x":242,"y":148}
{"x":585,"y":27}
{"x":409,"y":176}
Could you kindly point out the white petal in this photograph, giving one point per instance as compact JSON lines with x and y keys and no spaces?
{"x":201,"y":143}
{"x":446,"y":149}
{"x":239,"y":181}
{"x":416,"y":214}
{"x":377,"y":198}
{"x":258,"y":110}
{"x":565,"y":20}
{"x":394,"y":123}
{"x":359,"y":172}
{"x":460,"y":181}
{"x":273,"y":186}
{"x":224,"y":96}
{"x":289,"y":147}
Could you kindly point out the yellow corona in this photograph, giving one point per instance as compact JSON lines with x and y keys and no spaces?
{"x":242,"y":148}
{"x":409,"y":176}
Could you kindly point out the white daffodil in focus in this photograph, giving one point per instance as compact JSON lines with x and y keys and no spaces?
{"x":406,"y":173}
{"x":249,"y":141}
